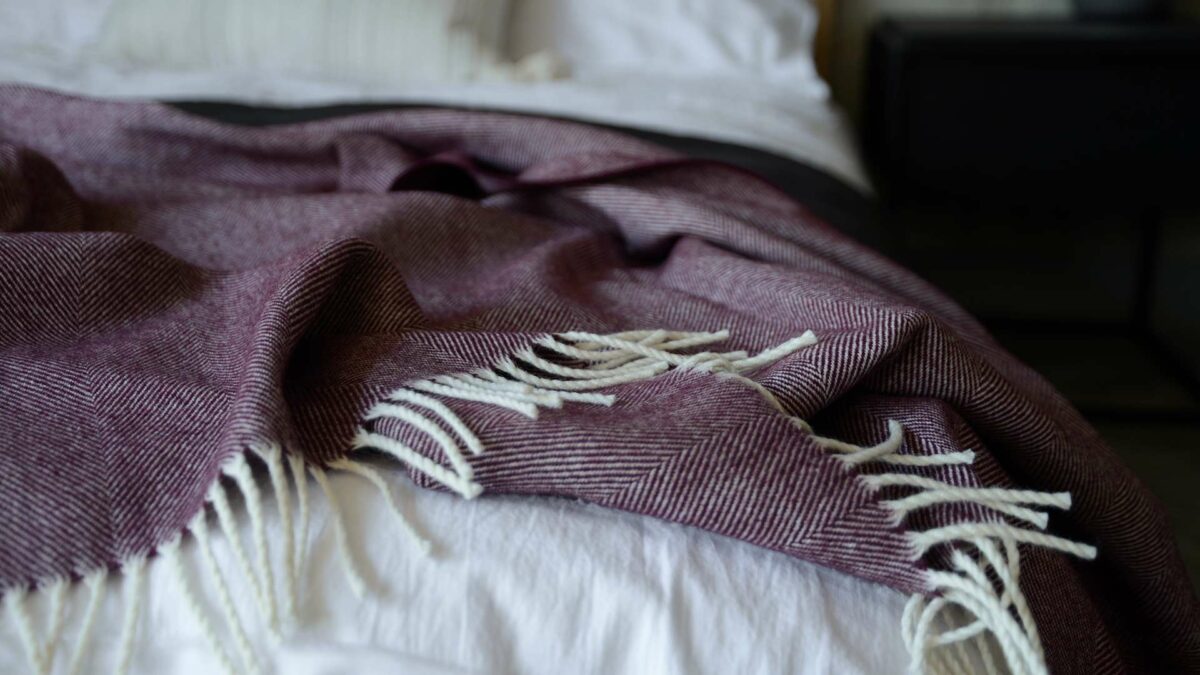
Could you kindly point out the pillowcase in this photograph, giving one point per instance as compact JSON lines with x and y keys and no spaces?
{"x":50,"y":27}
{"x":384,"y":41}
{"x":772,"y":39}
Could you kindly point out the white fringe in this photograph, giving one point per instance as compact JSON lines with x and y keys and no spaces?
{"x":357,"y":584}
{"x":14,"y":601}
{"x":96,"y":582}
{"x":965,"y":612}
{"x":449,"y":447}
{"x":995,"y":609}
{"x":199,"y":530}
{"x":299,"y":477}
{"x":170,"y":553}
{"x":273,"y":456}
{"x":259,"y":576}
{"x":1002,"y":614}
{"x":56,"y":590}
{"x":444,"y":414}
{"x":375,"y":479}
{"x":39,"y":654}
{"x":598,"y":361}
{"x":239,"y":469}
{"x":465,"y":487}
{"x":133,"y":571}
{"x":220,"y":502}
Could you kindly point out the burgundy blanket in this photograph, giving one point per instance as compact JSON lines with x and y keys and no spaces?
{"x":174,"y":292}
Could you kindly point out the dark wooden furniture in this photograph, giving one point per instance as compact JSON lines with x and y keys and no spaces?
{"x":1036,"y":111}
{"x":1084,"y":120}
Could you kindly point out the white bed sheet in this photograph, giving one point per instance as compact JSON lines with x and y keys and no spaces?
{"x":515,"y":585}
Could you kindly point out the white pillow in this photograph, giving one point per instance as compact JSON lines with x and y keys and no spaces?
{"x":59,"y":27}
{"x":385,"y":41}
{"x":772,"y":39}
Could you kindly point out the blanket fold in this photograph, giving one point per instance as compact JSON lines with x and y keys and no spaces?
{"x":509,"y":304}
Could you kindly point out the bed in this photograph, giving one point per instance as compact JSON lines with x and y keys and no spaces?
{"x":511,"y":583}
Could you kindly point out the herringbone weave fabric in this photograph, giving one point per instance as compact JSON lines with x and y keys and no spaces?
{"x":174,"y":290}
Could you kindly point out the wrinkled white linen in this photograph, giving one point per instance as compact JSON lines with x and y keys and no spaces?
{"x":515,"y":585}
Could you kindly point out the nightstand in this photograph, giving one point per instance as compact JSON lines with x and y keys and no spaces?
{"x":1036,"y":112}
{"x":1071,"y":136}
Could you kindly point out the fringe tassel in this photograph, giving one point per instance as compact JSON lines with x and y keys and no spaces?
{"x":514,"y":383}
{"x":96,"y":583}
{"x":41,"y":654}
{"x":239,"y":469}
{"x":57,"y":590}
{"x":1002,"y":615}
{"x":375,"y":479}
{"x":133,"y":572}
{"x":14,"y":602}
{"x":220,"y":502}
{"x":968,"y":610}
{"x":349,"y":564}
{"x":199,"y":530}
{"x":296,"y":464}
{"x":273,"y":456}
{"x":171,"y":555}
{"x":996,"y":610}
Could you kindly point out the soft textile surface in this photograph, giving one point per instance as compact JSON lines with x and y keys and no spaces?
{"x":742,"y":108}
{"x":772,"y":39}
{"x":176,"y":292}
{"x":732,"y":94}
{"x":368,"y":41}
{"x":530,"y":586}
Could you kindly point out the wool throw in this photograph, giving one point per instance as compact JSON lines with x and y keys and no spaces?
{"x":509,"y":304}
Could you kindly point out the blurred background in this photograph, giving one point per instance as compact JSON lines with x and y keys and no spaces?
{"x":1043,"y":168}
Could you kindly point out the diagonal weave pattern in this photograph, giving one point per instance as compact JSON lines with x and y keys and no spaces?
{"x":175,"y":291}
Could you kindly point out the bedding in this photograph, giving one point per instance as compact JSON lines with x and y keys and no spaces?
{"x":740,"y":110}
{"x":771,"y":40}
{"x":670,"y":582}
{"x":747,"y":92}
{"x":368,"y":41}
{"x":161,"y":236}
{"x":835,"y":200}
{"x":517,"y":585}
